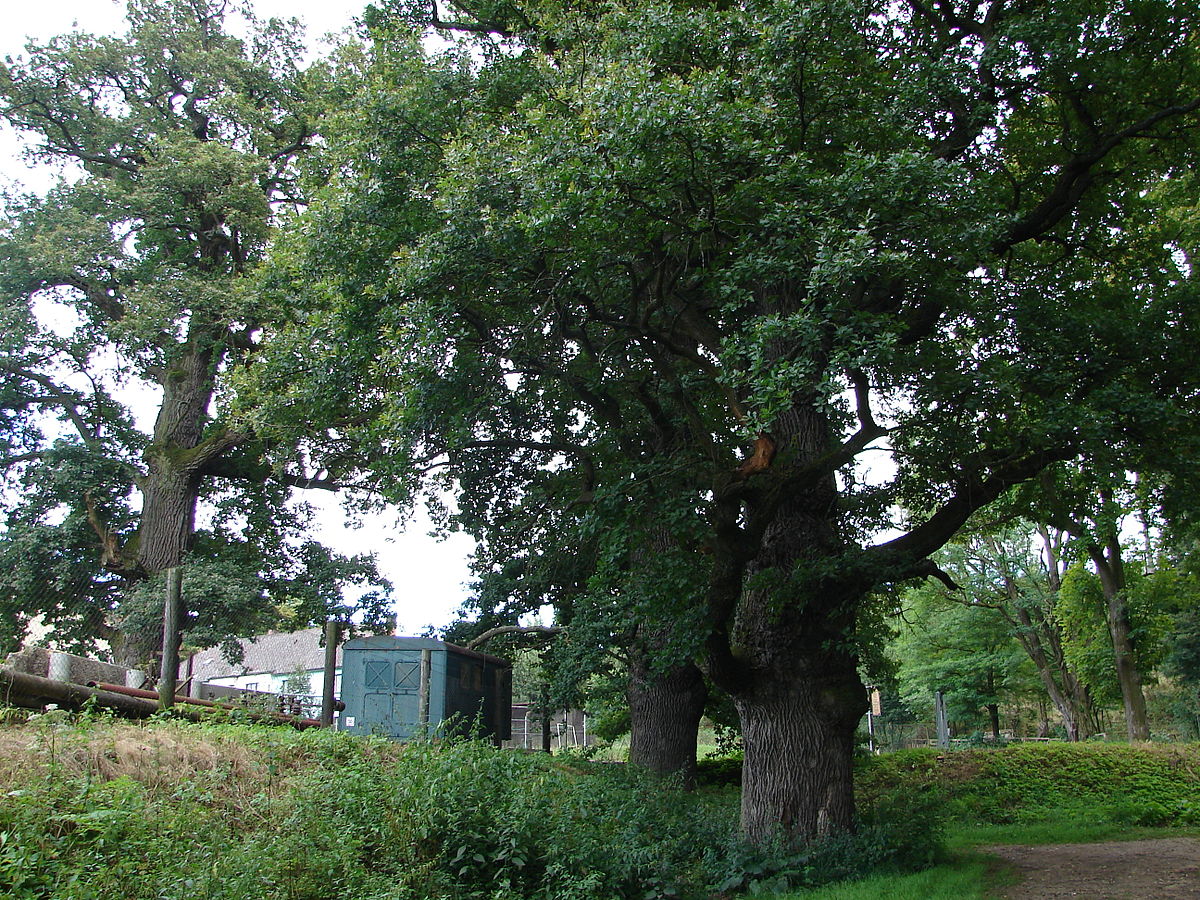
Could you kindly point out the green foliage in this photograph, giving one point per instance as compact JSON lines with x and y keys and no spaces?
{"x":178,"y":147}
{"x":322,"y":814}
{"x":465,"y":821}
{"x":101,"y":810}
{"x":962,"y":647}
{"x":722,"y":770}
{"x":1082,"y":609}
{"x":1084,"y":783}
{"x":298,"y":681}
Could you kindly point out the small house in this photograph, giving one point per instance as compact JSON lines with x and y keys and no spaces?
{"x":268,"y":662}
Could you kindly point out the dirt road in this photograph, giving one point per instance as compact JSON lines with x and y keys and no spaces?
{"x":1166,"y":869}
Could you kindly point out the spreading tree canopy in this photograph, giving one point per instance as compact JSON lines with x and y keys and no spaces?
{"x":178,"y":145}
{"x":729,"y":255}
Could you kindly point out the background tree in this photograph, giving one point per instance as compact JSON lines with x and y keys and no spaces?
{"x":1095,"y":503}
{"x":963,"y":650}
{"x":178,"y":145}
{"x":1009,"y":577}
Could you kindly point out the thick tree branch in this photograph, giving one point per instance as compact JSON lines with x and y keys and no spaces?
{"x":68,"y":401}
{"x":1077,"y":175}
{"x":975,"y":491}
{"x":545,"y":630}
{"x":112,"y":556}
{"x":929,"y":569}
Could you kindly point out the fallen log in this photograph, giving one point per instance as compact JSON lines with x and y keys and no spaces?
{"x":283,"y":718}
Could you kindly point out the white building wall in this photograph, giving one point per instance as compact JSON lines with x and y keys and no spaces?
{"x":273,"y":683}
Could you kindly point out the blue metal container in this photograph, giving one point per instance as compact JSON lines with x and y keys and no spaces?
{"x":402,"y":687}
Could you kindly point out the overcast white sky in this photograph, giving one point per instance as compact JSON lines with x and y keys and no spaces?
{"x":429,"y":575}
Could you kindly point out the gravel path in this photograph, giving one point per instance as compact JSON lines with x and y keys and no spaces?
{"x":1166,"y":869}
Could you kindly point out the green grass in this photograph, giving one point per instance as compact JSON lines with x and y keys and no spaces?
{"x":969,"y":877}
{"x":970,"y":874}
{"x":962,"y":837}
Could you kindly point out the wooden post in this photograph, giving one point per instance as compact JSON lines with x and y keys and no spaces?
{"x":333,"y":636}
{"x":169,"y":674}
{"x":545,"y":716}
{"x":423,"y":698}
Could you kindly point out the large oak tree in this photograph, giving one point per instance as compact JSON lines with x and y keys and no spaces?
{"x":729,"y":254}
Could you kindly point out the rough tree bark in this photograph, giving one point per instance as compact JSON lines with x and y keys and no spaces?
{"x":795,"y":680}
{"x":665,"y":709}
{"x":802,"y":714}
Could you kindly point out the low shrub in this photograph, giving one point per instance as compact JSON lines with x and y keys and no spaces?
{"x":229,"y":813}
{"x":1023,"y":783}
{"x":467,"y":821}
{"x":720,"y":771}
{"x":108,"y":810}
{"x":902,"y":834}
{"x":224,"y":812}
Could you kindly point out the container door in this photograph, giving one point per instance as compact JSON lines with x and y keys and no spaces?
{"x":391,"y":697}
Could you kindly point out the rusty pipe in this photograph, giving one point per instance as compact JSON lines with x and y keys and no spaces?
{"x":298,"y":721}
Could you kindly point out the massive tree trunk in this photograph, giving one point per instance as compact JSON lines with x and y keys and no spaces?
{"x":174,"y":459}
{"x":168,"y":520}
{"x":665,"y":703}
{"x":797,"y":690}
{"x":798,"y":730}
{"x":182,"y":446}
{"x":665,"y":710}
{"x":1111,"y":569}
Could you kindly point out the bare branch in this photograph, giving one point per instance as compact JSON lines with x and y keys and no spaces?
{"x":515,"y":629}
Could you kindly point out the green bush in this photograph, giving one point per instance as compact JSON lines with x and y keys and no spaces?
{"x":106,"y":810}
{"x":467,"y":821}
{"x":902,"y":834}
{"x":320,"y":815}
{"x":720,"y":771}
{"x":223,"y":812}
{"x":1025,"y":783}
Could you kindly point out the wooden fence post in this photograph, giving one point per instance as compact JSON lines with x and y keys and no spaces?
{"x":169,"y":675}
{"x":333,"y":636}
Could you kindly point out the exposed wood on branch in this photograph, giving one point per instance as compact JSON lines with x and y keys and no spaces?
{"x":514,"y":629}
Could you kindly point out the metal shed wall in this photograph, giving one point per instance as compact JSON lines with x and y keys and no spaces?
{"x":381,"y":687}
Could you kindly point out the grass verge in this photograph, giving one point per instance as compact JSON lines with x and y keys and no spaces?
{"x":966,"y":877}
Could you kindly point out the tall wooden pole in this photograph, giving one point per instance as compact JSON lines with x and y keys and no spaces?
{"x":169,"y":675}
{"x":333,"y":635}
{"x":423,"y":695}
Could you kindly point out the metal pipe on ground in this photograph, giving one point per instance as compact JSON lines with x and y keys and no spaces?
{"x":34,"y":692}
{"x":212,"y":704}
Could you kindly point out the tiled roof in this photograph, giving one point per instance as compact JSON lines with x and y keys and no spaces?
{"x":279,"y":653}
